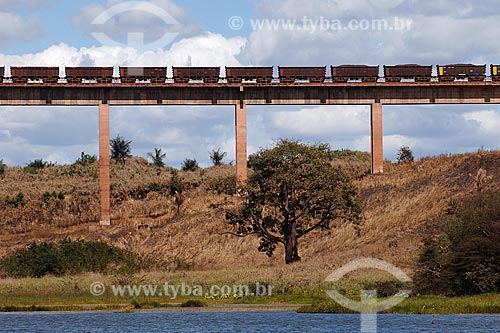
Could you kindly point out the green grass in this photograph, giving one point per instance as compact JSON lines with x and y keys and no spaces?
{"x":479,"y":304}
{"x":73,"y":294}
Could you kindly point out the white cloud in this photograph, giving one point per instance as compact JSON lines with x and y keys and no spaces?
{"x":489,"y":121}
{"x":324,"y":120}
{"x":441,"y":32}
{"x":62,"y":133}
{"x":207,"y":49}
{"x":14,"y":28}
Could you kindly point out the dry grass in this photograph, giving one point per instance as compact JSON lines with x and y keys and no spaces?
{"x":395,"y":205}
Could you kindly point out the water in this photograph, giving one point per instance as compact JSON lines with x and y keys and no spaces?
{"x":152,"y":322}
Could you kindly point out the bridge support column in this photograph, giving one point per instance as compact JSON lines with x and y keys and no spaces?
{"x":377,"y":141}
{"x":104,"y":164}
{"x":241,"y":142}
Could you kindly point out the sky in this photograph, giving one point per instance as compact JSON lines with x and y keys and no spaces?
{"x":246,"y":33}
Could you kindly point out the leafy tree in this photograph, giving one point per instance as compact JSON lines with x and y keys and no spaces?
{"x":189,"y":165}
{"x":293,"y":191}
{"x":2,"y":167}
{"x":461,"y":252}
{"x":157,"y":157}
{"x":120,"y":149}
{"x":217,"y":156}
{"x":405,"y":154}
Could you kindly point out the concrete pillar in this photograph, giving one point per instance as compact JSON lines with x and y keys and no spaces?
{"x":104,"y":159}
{"x":241,"y":142}
{"x":377,"y":142}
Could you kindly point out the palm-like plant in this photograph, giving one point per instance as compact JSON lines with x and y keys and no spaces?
{"x":120,"y":149}
{"x":189,"y":165}
{"x":217,"y":156}
{"x":157,"y":157}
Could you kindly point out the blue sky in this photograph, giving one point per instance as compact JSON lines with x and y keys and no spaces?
{"x":58,"y":32}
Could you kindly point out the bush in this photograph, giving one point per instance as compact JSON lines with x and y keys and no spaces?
{"x":193,"y":304}
{"x":405,"y":155}
{"x":47,"y":196}
{"x":67,"y":257}
{"x":223,"y":185}
{"x":16,"y":201}
{"x":189,"y":165}
{"x":38,"y":164}
{"x":175,"y":185}
{"x":461,"y":251}
{"x":86,"y":159}
{"x":2,"y":167}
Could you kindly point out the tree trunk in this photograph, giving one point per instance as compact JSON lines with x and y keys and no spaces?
{"x":291,"y":243}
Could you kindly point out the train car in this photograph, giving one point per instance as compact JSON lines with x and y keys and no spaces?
{"x":259,"y":74}
{"x":97,"y":74}
{"x":207,"y":74}
{"x":449,"y":73}
{"x":344,"y":73}
{"x":311,"y":74}
{"x":495,"y":72}
{"x":134,"y":74}
{"x":408,"y":72}
{"x":26,"y":74}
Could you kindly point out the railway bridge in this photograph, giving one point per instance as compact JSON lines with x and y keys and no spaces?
{"x":373,"y":94}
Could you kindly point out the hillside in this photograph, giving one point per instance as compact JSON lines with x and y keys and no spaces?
{"x":62,"y":201}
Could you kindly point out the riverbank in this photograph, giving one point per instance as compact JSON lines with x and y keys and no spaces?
{"x":291,"y":291}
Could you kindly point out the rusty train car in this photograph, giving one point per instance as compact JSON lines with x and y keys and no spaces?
{"x":205,"y":74}
{"x":293,"y":74}
{"x":96,"y":74}
{"x":27,"y":74}
{"x":134,"y":74}
{"x":449,"y":73}
{"x":408,"y":72}
{"x":258,"y":74}
{"x":346,"y":73}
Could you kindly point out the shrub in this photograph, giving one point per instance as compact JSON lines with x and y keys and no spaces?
{"x":67,"y":257}
{"x":38,"y":164}
{"x":223,"y":185}
{"x":193,"y":304}
{"x":2,"y":167}
{"x":47,"y":196}
{"x":175,"y":185}
{"x":16,"y":201}
{"x":189,"y":165}
{"x":86,"y":159}
{"x":405,"y":154}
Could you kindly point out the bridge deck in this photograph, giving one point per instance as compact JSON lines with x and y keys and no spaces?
{"x":251,"y":94}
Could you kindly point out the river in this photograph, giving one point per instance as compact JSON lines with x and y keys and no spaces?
{"x":220,"y":322}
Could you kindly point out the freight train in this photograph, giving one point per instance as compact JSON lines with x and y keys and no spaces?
{"x":258,"y":75}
